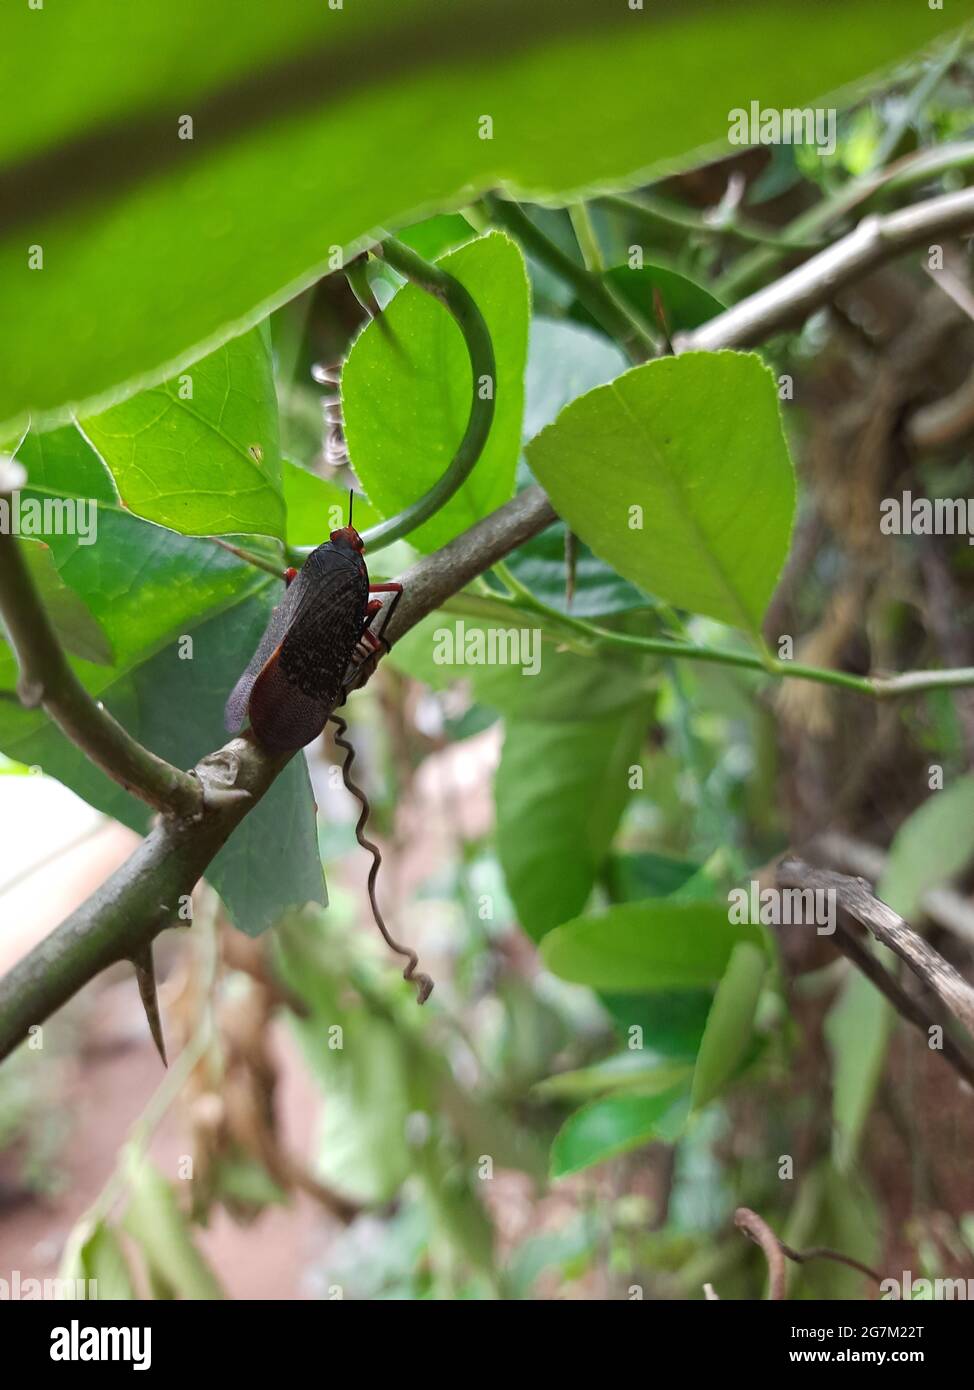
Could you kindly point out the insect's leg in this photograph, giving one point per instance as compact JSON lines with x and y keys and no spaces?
{"x":368,"y":637}
{"x":370,"y":644}
{"x":392,"y":587}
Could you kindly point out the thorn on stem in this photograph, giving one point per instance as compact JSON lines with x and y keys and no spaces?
{"x":145,"y":974}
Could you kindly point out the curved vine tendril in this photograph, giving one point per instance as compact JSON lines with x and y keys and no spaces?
{"x":458,"y":301}
{"x":423,"y":983}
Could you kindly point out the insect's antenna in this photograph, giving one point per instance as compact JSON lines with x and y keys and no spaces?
{"x":351,"y":496}
{"x":423,"y":983}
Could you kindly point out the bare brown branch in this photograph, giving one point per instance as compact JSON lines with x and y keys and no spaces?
{"x":854,"y":897}
{"x":796,"y":295}
{"x":776,"y":1251}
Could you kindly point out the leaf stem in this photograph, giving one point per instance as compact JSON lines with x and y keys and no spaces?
{"x":599,"y":638}
{"x":654,"y":209}
{"x":258,"y":561}
{"x":603,"y":304}
{"x":588,"y":242}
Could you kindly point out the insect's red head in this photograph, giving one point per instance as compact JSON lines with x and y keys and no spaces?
{"x":350,"y":536}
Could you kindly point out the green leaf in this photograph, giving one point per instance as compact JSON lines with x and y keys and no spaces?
{"x":316,"y":506}
{"x":109,"y":1269}
{"x":694,"y":441}
{"x":731,"y":1023}
{"x":144,"y":585}
{"x":614,"y":1126}
{"x":156,"y":1224}
{"x":362,"y":1149}
{"x":406,"y":392}
{"x":858,"y":1029}
{"x":560,"y":790}
{"x":200,"y":452}
{"x":61,"y":463}
{"x":851,"y":1222}
{"x":564,"y":360}
{"x":686,"y":305}
{"x":653,"y":945}
{"x":670,"y":1021}
{"x":459,"y":1217}
{"x":930,"y":847}
{"x":639,"y":1070}
{"x":436,"y":235}
{"x":649,"y":875}
{"x":312,"y":127}
{"x":79,"y":630}
{"x":96,"y":1254}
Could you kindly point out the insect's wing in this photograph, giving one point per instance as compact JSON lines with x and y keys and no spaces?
{"x":323,"y":631}
{"x":235,"y":711}
{"x":294,"y":679}
{"x":302,"y":681}
{"x":282,"y":715}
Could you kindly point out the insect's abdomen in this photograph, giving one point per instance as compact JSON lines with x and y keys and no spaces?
{"x":301,"y":682}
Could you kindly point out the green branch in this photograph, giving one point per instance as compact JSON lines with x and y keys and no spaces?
{"x":590,"y":638}
{"x":653,"y":209}
{"x":585,"y":235}
{"x":121,"y":919}
{"x":46,"y":679}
